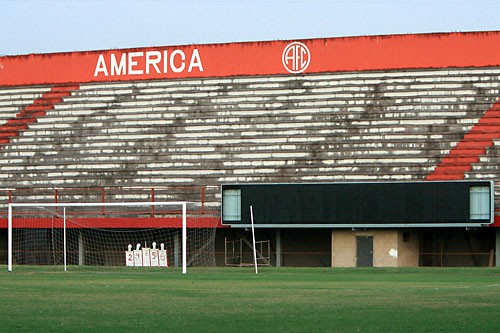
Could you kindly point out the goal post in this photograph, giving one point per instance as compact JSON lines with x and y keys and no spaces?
{"x":101,"y":234}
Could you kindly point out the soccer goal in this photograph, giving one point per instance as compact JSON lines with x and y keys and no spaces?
{"x":93,"y":235}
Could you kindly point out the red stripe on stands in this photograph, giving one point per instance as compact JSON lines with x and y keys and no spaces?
{"x":467,"y":151}
{"x":29,"y":114}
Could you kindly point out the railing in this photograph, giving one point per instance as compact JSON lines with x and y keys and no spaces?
{"x":194,"y":193}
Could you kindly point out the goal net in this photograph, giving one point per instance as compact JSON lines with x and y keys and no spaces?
{"x":134,"y":234}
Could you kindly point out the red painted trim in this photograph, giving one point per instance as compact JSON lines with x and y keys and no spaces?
{"x":443,"y":50}
{"x":496,"y":223}
{"x":113,"y":223}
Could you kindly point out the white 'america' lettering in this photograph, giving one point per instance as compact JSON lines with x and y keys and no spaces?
{"x":140,"y":63}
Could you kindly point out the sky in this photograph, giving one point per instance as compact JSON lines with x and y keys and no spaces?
{"x":43,"y":26}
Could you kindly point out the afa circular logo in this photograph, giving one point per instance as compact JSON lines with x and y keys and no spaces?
{"x":296,"y":57}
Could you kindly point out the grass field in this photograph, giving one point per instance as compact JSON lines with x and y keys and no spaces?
{"x":236,"y":300}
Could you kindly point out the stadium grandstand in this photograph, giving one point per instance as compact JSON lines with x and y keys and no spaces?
{"x":362,"y":151}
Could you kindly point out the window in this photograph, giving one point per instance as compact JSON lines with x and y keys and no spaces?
{"x":479,"y":203}
{"x":231,"y":205}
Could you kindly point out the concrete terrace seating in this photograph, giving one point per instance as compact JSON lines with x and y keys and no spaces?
{"x":13,"y":101}
{"x":19,"y":115}
{"x":15,"y":98}
{"x":374,"y":126}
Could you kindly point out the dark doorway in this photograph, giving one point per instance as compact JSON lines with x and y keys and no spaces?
{"x":364,"y":251}
{"x":457,"y":247}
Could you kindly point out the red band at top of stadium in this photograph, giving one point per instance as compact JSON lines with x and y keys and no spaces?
{"x":412,"y":51}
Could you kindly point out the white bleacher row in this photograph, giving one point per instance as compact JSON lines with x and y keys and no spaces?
{"x":399,"y":80}
{"x":323,"y":127}
{"x":393,"y":85}
{"x":22,"y":93}
{"x":280,"y":98}
{"x":405,"y":113}
{"x":189,"y":158}
{"x":239,"y":107}
{"x":284,"y":94}
{"x":278,"y":126}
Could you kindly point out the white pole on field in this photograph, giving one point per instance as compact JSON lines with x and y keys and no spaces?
{"x":253,"y":242}
{"x":9,"y":241}
{"x":184,"y":239}
{"x":64,"y":236}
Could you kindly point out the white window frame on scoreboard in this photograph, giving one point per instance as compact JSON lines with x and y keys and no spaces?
{"x":183,"y":204}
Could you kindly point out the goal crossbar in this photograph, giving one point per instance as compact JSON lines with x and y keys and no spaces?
{"x":183,"y":204}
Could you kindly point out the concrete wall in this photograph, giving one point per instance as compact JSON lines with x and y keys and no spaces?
{"x":385,"y":248}
{"x":391,"y":248}
{"x":343,"y":248}
{"x":408,"y":249}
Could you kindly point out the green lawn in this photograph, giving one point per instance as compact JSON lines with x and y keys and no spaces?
{"x":237,"y":300}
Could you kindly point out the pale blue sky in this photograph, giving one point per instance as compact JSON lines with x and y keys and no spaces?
{"x":42,"y":26}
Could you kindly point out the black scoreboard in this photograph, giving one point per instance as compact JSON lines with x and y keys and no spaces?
{"x":377,"y":204}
